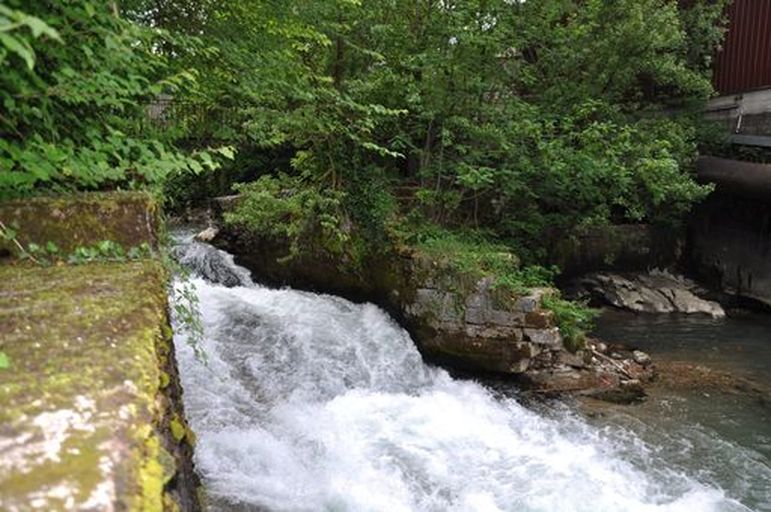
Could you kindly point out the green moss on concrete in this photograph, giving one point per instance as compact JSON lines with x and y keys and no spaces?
{"x":83,"y":412}
{"x":127,"y":218}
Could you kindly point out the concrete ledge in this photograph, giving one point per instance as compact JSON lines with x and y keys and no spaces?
{"x":127,"y":218}
{"x":89,"y":407}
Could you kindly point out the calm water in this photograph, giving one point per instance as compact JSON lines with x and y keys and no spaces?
{"x":739,"y":344}
{"x":309,"y":402}
{"x":721,"y":433}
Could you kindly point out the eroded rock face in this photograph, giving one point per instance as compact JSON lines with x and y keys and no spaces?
{"x":655,"y":292}
{"x":478,"y":326}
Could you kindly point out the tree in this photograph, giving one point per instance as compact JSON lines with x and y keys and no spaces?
{"x":75,"y":82}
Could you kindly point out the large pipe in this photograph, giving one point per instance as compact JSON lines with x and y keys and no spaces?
{"x":743,"y":178}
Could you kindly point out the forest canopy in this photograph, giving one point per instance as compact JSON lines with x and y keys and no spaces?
{"x":515,"y":117}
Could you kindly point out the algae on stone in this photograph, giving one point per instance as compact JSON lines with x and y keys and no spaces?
{"x":82,"y":409}
{"x":126,"y":218}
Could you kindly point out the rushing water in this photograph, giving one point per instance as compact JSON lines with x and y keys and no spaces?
{"x":309,"y":402}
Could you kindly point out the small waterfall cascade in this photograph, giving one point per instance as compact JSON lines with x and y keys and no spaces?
{"x":309,"y":402}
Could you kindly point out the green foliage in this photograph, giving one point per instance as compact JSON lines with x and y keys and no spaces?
{"x":183,"y":297}
{"x":185,"y":303}
{"x":11,"y":23}
{"x":471,"y":251}
{"x":574,"y":319}
{"x":478,"y":254}
{"x":285,"y":209}
{"x":76,"y":78}
{"x":5,"y":362}
{"x":520,"y":117}
{"x":372,"y":207}
{"x":105,"y":250}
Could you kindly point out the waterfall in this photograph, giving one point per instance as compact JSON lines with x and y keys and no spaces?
{"x":308,"y":402}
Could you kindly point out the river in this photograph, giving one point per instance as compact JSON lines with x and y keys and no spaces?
{"x":308,"y":402}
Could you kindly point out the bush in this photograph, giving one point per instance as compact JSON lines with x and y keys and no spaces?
{"x":76,"y":79}
{"x":285,"y":208}
{"x":573,"y":318}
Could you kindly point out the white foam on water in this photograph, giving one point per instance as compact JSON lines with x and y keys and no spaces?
{"x":308,"y":402}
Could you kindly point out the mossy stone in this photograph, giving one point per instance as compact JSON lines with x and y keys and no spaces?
{"x":82,"y":410}
{"x":127,"y":218}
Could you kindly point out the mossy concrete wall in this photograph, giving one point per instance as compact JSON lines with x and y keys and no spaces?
{"x":90,"y":403}
{"x":127,"y":218}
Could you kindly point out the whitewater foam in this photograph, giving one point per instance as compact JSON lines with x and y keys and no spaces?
{"x":309,"y":402}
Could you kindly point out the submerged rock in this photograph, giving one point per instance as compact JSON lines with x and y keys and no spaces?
{"x":211,"y":264}
{"x":654,"y":292}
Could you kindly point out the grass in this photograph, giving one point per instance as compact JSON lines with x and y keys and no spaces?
{"x":478,"y":254}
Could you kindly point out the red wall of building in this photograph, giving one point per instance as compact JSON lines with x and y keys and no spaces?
{"x":745,"y":61}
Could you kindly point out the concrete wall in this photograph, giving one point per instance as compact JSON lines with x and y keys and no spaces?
{"x":744,"y":114}
{"x":730,"y":244}
{"x":91,"y":415}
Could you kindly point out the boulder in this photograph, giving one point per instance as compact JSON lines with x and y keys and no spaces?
{"x":653,"y":292}
{"x":207,"y":235}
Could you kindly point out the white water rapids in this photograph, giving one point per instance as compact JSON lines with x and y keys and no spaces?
{"x":309,"y":402}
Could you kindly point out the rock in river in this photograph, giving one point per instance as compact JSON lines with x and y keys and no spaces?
{"x":657,"y":291}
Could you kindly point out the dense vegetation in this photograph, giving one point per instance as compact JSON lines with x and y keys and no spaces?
{"x":363,"y":124}
{"x":522,"y":118}
{"x":76,"y":79}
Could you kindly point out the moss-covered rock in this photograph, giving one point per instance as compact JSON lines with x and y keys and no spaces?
{"x":126,"y":218}
{"x":89,"y":407}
